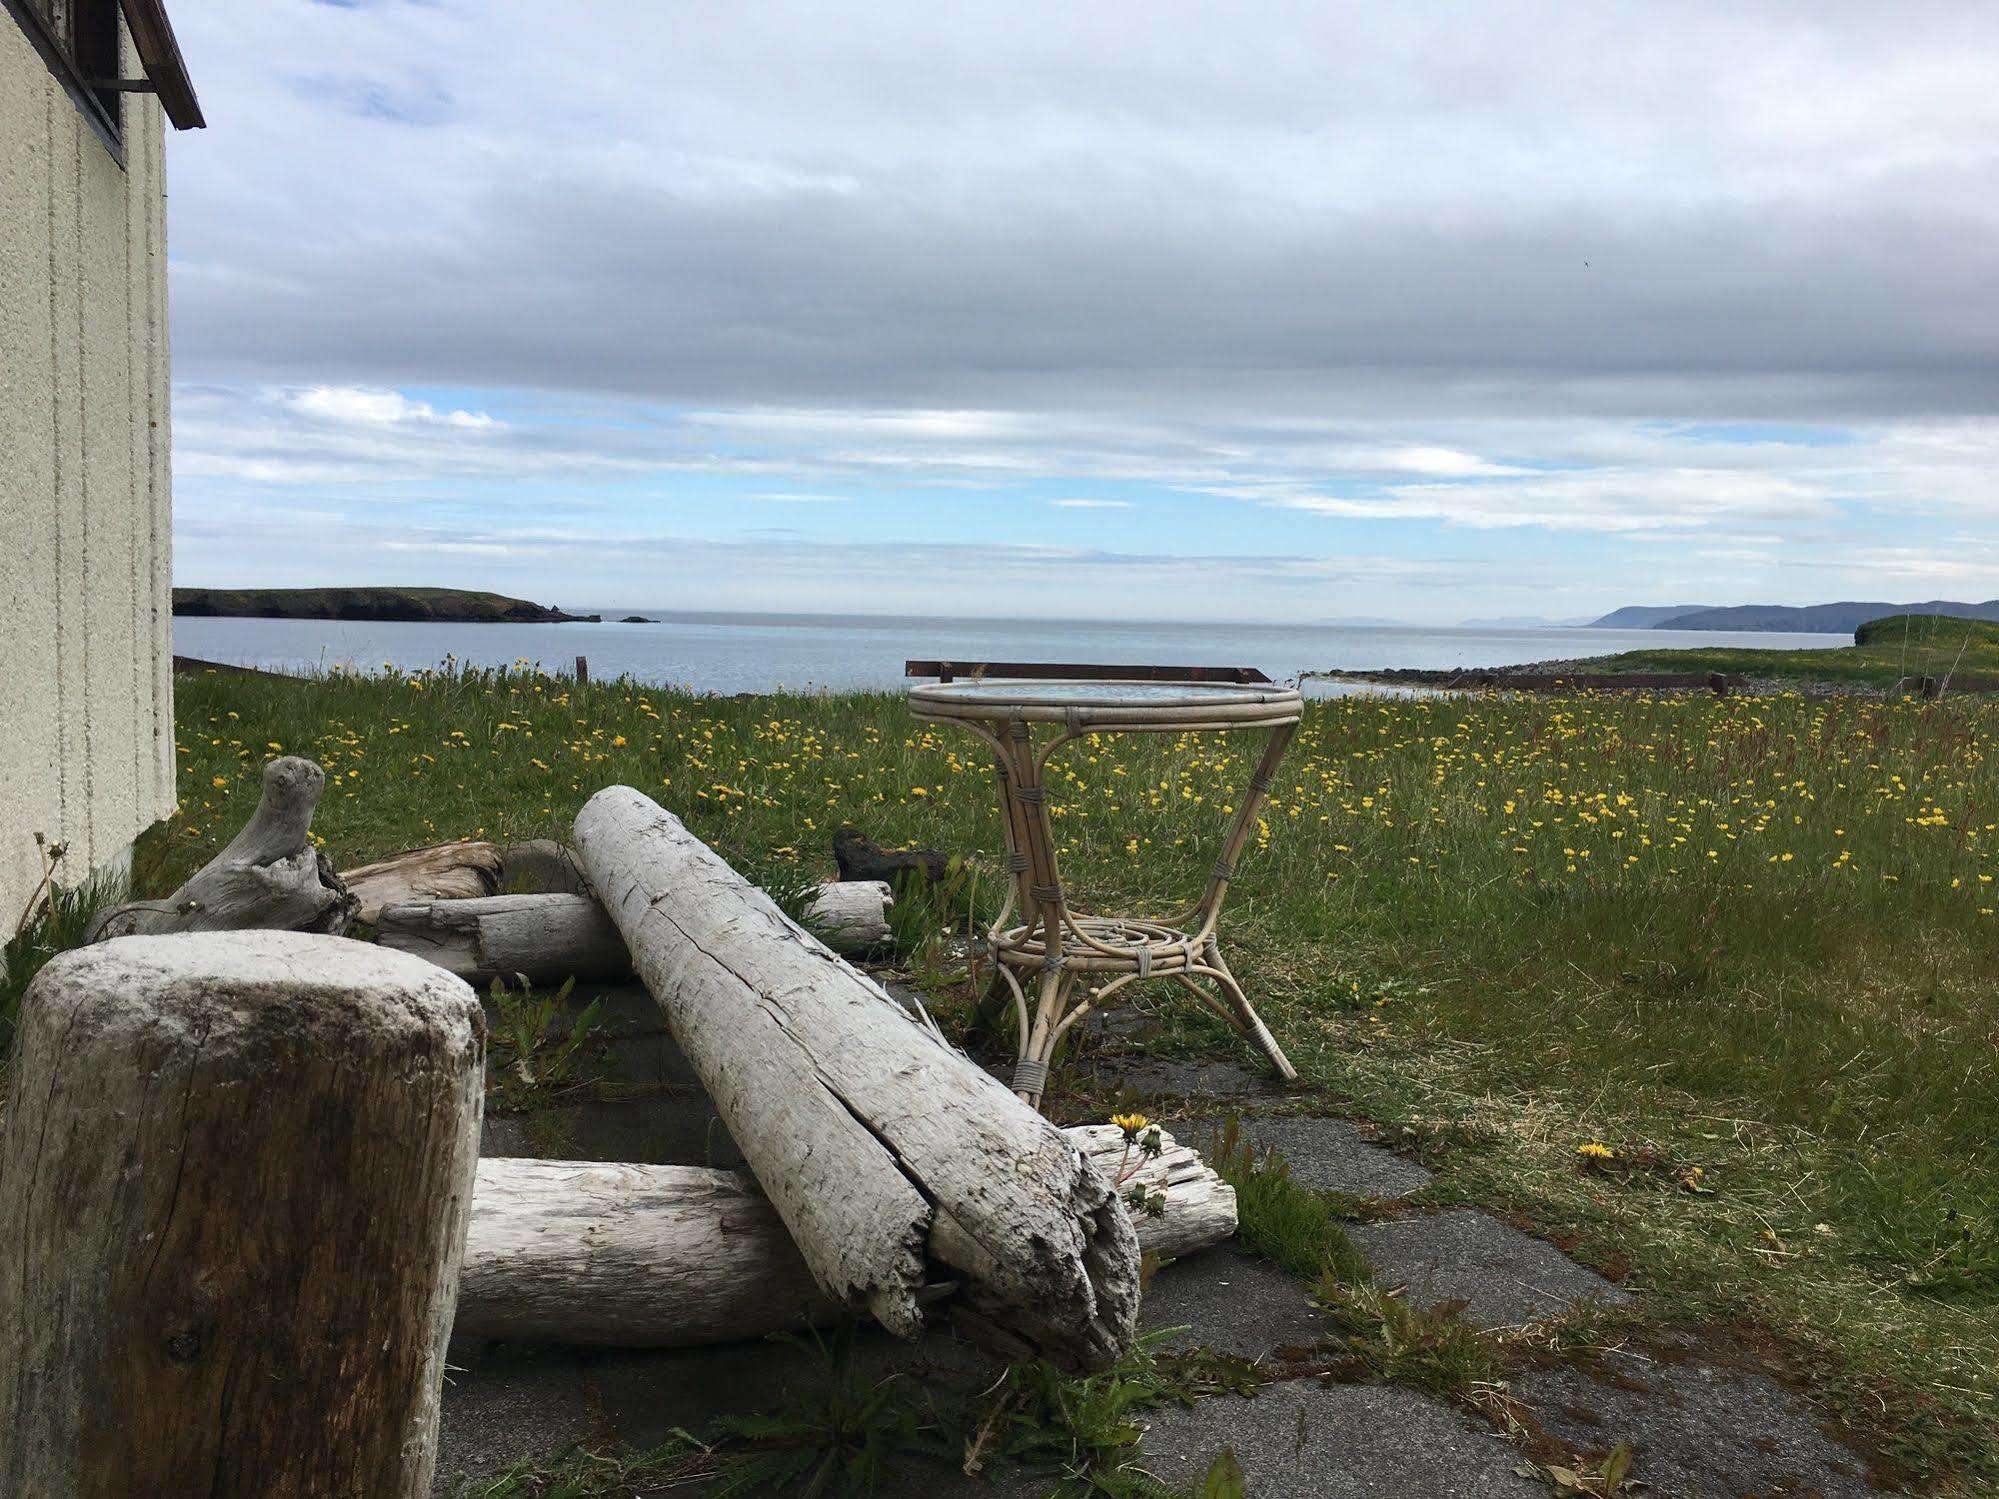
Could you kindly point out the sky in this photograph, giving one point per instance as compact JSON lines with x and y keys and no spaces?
{"x":1257,"y":311}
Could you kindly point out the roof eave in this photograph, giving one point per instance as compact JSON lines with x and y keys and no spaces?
{"x":159,"y":54}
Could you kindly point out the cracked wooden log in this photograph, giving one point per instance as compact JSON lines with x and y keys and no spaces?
{"x":548,"y":938}
{"x":235,"y":1174}
{"x":674,"y":1256}
{"x":269,"y":876}
{"x":906,"y":1176}
{"x":443,"y":871}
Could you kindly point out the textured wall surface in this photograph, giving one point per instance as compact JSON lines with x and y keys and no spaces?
{"x":86,"y":686}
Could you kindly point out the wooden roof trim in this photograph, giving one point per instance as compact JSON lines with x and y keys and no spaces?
{"x":159,"y":54}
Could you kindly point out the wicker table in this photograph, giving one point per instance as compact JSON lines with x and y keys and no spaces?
{"x":1038,"y":937}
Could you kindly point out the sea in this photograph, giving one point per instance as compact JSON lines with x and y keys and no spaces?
{"x":733,"y":653}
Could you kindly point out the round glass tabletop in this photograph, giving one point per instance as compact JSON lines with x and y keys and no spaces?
{"x":1204,"y":701}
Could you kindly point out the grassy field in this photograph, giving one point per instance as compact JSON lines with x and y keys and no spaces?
{"x":1747,"y":947}
{"x":1884,"y":652}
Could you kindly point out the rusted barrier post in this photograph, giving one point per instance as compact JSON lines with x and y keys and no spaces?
{"x":235,"y":1175}
{"x":582,"y":671}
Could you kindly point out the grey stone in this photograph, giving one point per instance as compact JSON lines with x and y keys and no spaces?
{"x":1232,"y":1303}
{"x":1323,"y":1153}
{"x":1695,"y":1431}
{"x":1171,"y":1077}
{"x":1306,"y":1440}
{"x":1504,"y":1277}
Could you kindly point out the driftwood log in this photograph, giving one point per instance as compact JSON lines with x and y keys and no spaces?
{"x":548,"y":938}
{"x":443,"y":871}
{"x":674,"y":1256}
{"x":859,"y":857}
{"x":235,"y":1174}
{"x":905,"y":1175}
{"x":268,"y":877}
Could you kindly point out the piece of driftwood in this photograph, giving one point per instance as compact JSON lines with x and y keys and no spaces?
{"x":542,"y":938}
{"x":548,"y":938}
{"x":851,"y":916}
{"x":540,"y":866}
{"x":235,"y":1174}
{"x":443,"y":871}
{"x":905,"y":1174}
{"x":859,"y":857}
{"x":268,"y":877}
{"x":674,"y":1256}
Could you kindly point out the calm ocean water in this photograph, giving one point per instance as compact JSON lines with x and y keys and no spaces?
{"x":758,"y":652}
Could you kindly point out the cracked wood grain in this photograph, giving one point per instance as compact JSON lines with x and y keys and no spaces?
{"x":894,"y":1162}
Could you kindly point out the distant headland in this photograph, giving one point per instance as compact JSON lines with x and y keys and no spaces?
{"x":1828,"y":619}
{"x":452,"y":606}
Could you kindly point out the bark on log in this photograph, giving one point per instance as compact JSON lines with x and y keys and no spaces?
{"x":675,"y":1256}
{"x":443,"y":871}
{"x":548,"y":938}
{"x":235,"y":1175}
{"x":269,"y":877}
{"x":904,"y":1173}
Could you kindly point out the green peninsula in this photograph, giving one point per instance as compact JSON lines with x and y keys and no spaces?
{"x":457,"y":606}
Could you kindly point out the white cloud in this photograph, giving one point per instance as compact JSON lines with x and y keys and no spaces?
{"x":356,"y":404}
{"x":1092,"y":504}
{"x":804,"y":498}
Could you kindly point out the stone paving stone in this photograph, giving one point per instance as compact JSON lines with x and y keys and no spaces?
{"x":1172,"y":1077}
{"x":1695,"y":1431}
{"x":1232,"y":1303}
{"x":1306,"y":1440}
{"x":1504,"y":1277}
{"x":1324,"y":1153}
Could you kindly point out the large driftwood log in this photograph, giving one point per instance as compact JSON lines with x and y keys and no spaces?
{"x":548,"y":938}
{"x":268,"y":877}
{"x":673,"y":1256}
{"x":904,"y":1173}
{"x":542,"y":938}
{"x":235,"y":1175}
{"x":443,"y":871}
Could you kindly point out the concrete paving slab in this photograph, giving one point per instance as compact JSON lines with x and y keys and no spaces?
{"x":1695,"y":1431}
{"x":1322,"y":1152}
{"x":1158,"y":1078}
{"x":1306,"y":1440}
{"x":1232,"y":1303}
{"x":1504,"y":1277}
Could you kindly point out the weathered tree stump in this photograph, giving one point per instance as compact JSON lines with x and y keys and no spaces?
{"x":673,"y":1256}
{"x":905,"y":1175}
{"x":268,"y":877}
{"x":235,"y":1175}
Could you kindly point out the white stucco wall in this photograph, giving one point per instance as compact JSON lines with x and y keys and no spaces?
{"x":86,"y":684}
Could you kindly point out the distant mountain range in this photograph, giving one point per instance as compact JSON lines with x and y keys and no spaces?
{"x":1520,"y":622}
{"x":1826,"y":619}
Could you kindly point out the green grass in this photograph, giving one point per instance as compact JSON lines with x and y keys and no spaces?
{"x":1753,"y":935}
{"x":1885,"y":651}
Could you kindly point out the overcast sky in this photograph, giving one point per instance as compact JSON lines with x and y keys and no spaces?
{"x":1300,"y":311}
